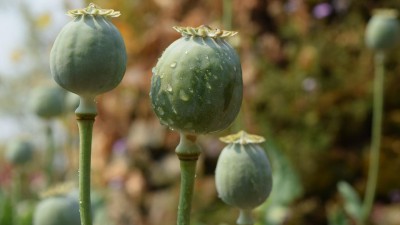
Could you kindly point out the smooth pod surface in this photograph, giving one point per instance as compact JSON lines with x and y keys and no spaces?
{"x":57,"y":210}
{"x":196,"y":85}
{"x":19,"y":152}
{"x":88,"y":56}
{"x":48,"y":102}
{"x":382,"y":30}
{"x":243,"y":175}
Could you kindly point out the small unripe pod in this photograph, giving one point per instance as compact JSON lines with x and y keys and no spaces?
{"x":48,"y":102}
{"x":57,"y":210}
{"x":243,"y":173}
{"x":196,"y":85}
{"x":383,"y":31}
{"x":19,"y":152}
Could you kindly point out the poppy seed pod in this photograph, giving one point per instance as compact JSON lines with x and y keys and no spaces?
{"x":19,"y":152}
{"x":383,"y":31}
{"x":196,"y":85}
{"x":48,"y":102}
{"x":57,"y":210}
{"x":88,"y":56}
{"x":243,"y":173}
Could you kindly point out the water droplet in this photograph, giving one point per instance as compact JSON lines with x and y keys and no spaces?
{"x":208,"y":85}
{"x":186,"y":52}
{"x":169,"y":88}
{"x":183,"y":96}
{"x":173,"y":65}
{"x":174,"y":110}
{"x":207,"y":57}
{"x":234,"y":68}
{"x":160,"y":111}
{"x":220,"y":66}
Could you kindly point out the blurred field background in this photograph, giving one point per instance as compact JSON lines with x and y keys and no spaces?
{"x":307,"y":88}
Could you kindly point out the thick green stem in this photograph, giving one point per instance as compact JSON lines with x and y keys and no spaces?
{"x":188,"y":152}
{"x":85,"y":124}
{"x":376,"y":135}
{"x":245,"y":217}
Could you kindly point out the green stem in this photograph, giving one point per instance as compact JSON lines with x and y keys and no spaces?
{"x":376,"y":135}
{"x":188,"y":152}
{"x":49,"y":154}
{"x":85,"y":124}
{"x":227,"y":14}
{"x":245,"y":217}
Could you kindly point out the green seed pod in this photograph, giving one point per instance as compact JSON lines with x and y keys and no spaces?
{"x":48,"y":102}
{"x":196,"y":85}
{"x":243,"y":173}
{"x":19,"y":152}
{"x":88,"y":56}
{"x":383,"y":31}
{"x":57,"y":210}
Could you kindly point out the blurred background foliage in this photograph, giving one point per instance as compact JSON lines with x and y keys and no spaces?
{"x":307,"y":88}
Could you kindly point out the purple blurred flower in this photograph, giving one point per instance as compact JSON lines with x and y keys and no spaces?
{"x":291,"y":6}
{"x":119,"y":147}
{"x":309,"y":84}
{"x":322,"y":10}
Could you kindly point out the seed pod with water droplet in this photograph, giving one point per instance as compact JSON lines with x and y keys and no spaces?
{"x":243,"y":173}
{"x":383,"y":31}
{"x":19,"y":151}
{"x":197,"y":83}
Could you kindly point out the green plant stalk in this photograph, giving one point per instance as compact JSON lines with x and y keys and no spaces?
{"x":227,"y":14}
{"x":376,"y":135}
{"x":188,"y":152}
{"x":49,"y":154}
{"x":245,"y":217}
{"x":85,"y":124}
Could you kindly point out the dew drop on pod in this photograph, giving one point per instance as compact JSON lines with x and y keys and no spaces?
{"x":19,"y":152}
{"x":57,"y":210}
{"x":88,"y":57}
{"x":383,"y":31}
{"x":47,"y":101}
{"x":196,"y":85}
{"x":243,"y":174}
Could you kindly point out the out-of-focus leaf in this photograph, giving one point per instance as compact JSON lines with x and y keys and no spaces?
{"x":336,"y":216}
{"x":352,"y":202}
{"x":6,"y":210}
{"x":286,"y":187}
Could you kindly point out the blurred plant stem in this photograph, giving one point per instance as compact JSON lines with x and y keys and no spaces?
{"x":15,"y":192}
{"x":376,"y":135}
{"x":227,"y":14}
{"x":188,"y":152}
{"x":245,"y":217}
{"x":85,"y":124}
{"x":50,"y":149}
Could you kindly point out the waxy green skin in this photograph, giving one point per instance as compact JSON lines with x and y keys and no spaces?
{"x":57,"y":210}
{"x":243,"y":175}
{"x":48,"y":102}
{"x":88,"y":56}
{"x":197,"y":85}
{"x":19,"y":152}
{"x":382,"y":32}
